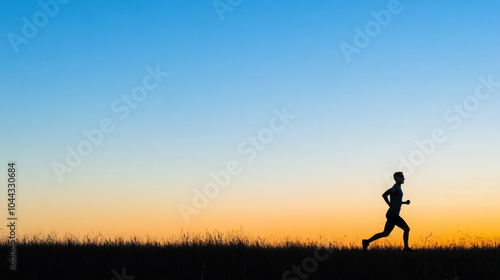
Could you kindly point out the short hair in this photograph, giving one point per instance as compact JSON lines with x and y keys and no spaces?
{"x":397,"y":174}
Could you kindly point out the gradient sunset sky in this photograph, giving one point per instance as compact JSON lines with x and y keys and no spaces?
{"x":418,"y":91}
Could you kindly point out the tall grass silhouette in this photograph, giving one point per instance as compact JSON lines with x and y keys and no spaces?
{"x":236,"y":255}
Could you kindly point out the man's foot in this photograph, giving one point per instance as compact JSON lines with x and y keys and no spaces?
{"x":408,"y":249}
{"x":365,"y":244}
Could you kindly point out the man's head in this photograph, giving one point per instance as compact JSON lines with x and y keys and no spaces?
{"x":399,"y":178}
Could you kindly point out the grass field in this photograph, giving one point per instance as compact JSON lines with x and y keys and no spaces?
{"x":235,"y":256}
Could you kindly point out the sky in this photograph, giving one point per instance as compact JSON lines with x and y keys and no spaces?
{"x":281,"y":118}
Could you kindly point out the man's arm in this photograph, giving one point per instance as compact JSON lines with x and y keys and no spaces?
{"x":385,"y":195}
{"x":406,"y":202}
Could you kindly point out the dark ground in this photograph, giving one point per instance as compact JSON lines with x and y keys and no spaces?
{"x":91,"y":261}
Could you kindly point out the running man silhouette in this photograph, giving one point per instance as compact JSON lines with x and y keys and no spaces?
{"x":392,"y":215}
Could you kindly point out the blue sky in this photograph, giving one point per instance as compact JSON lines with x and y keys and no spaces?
{"x":225,"y":78}
{"x":262,"y":55}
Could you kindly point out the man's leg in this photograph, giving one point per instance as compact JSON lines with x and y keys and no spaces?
{"x":378,"y":236}
{"x":406,"y":236}
{"x":404,"y":226}
{"x":389,"y":226}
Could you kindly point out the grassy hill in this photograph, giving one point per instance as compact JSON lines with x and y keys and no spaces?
{"x":216,"y":256}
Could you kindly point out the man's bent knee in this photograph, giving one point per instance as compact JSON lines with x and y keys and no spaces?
{"x":386,"y":233}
